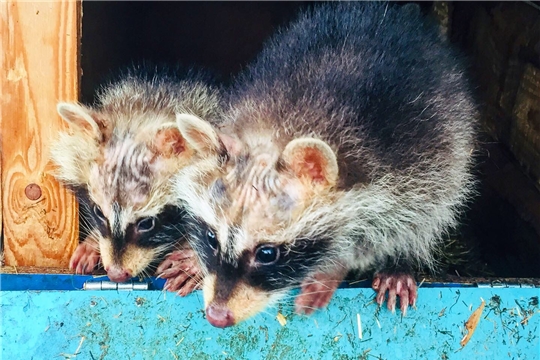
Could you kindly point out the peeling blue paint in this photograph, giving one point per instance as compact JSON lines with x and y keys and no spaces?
{"x":159,"y":325}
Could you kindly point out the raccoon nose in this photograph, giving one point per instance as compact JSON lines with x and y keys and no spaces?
{"x":219,"y":316}
{"x":117,"y":273}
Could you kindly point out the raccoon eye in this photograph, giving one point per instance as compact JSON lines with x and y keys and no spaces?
{"x":267,"y":255}
{"x":211,"y":238}
{"x":99,"y":213}
{"x":146,"y":224}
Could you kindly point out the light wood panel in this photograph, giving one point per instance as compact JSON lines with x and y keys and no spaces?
{"x":39,"y":65}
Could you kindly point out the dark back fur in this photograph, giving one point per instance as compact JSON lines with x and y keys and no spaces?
{"x":368,"y":75}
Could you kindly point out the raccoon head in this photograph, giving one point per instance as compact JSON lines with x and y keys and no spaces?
{"x":258,"y":222}
{"x":125,"y":180}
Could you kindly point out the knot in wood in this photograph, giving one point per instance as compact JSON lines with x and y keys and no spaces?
{"x":33,"y":191}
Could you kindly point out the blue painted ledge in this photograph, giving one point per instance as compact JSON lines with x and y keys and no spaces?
{"x":19,"y":282}
{"x":158,"y":325}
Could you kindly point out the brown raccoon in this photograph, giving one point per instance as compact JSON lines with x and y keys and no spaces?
{"x":347,"y":146}
{"x":118,"y":157}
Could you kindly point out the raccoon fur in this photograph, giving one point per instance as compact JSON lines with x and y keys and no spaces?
{"x":118,"y":157}
{"x":347,"y":146}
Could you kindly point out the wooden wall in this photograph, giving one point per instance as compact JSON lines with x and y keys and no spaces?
{"x":39,"y":63}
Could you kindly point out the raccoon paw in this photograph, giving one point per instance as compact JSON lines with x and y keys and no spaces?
{"x":85,"y":258}
{"x":397,"y":284}
{"x":182,"y":271}
{"x":316,"y":292}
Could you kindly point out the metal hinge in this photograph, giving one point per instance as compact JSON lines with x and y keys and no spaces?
{"x":109,"y":285}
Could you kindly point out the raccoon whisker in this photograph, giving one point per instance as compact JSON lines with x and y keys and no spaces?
{"x":308,"y":281}
{"x":276,"y":303}
{"x":286,"y":296}
{"x":168,"y":248}
{"x":144,"y":274}
{"x":267,"y":312}
{"x":312,"y":308}
{"x":289,"y":297}
{"x":87,"y":209}
{"x":286,"y":299}
{"x":286,"y":302}
{"x":84,"y":231}
{"x":93,"y":245}
{"x":199,"y":281}
{"x":172,"y":247}
{"x":175,"y":227}
{"x":204,"y":272}
{"x":293,"y":284}
{"x":313,"y":292}
{"x":85,"y":226}
{"x":149,"y":271}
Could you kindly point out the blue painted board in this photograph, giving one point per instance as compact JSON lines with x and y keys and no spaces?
{"x":159,"y":325}
{"x":12,"y":282}
{"x":19,"y":282}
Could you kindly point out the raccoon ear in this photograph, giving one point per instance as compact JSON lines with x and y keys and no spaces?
{"x":169,"y":141}
{"x":233,"y":146}
{"x":312,"y":158}
{"x":79,"y":116}
{"x":198,"y":134}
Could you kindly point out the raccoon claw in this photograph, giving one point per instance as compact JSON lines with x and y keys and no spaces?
{"x":193,"y":283}
{"x":316,"y":293}
{"x":85,"y":258}
{"x":182,"y":271}
{"x":397,"y":284}
{"x":185,"y":282}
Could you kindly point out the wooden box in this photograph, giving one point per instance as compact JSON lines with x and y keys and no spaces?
{"x":63,"y":50}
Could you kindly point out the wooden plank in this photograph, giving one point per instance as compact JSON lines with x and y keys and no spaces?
{"x":2,"y":73}
{"x":41,"y":270}
{"x":39,"y":63}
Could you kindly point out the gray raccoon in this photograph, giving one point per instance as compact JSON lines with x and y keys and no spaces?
{"x":347,"y":146}
{"x":118,"y":157}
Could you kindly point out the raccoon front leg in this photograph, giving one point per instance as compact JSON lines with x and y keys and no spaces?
{"x":317,"y":290}
{"x":86,"y":256}
{"x":182,"y":271}
{"x":400,"y":284}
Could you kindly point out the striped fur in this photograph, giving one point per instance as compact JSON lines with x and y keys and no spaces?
{"x":374,"y":84}
{"x":119,"y":155}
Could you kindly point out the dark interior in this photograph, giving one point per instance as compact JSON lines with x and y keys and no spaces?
{"x":496,"y":239}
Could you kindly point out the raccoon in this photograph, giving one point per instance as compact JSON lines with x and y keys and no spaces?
{"x":347,"y":146}
{"x":118,"y":157}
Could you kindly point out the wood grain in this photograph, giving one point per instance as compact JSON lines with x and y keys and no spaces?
{"x":39,"y":63}
{"x":34,"y":270}
{"x":1,"y":182}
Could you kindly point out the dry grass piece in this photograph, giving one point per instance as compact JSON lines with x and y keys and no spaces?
{"x":471,"y":324}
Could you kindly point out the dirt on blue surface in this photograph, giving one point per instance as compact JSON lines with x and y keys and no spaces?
{"x":158,"y":325}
